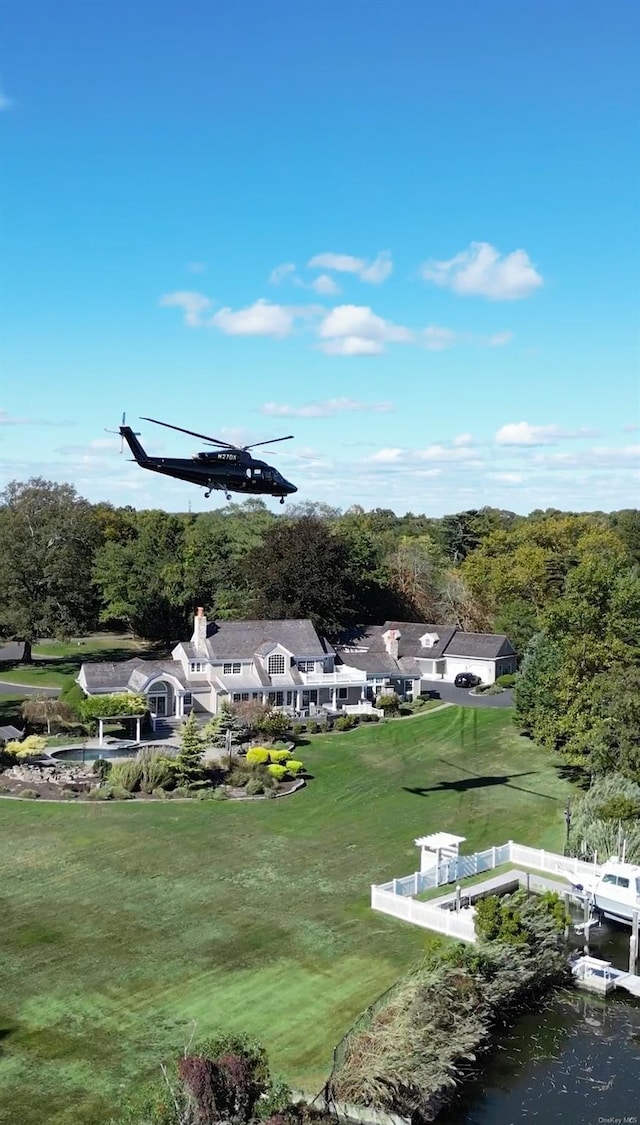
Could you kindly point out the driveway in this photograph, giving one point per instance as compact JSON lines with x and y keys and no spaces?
{"x":449,"y":693}
{"x":7,"y":688}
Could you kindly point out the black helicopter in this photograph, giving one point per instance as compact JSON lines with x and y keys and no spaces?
{"x":231,"y":468}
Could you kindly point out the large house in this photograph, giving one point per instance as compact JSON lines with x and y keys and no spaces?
{"x":286,"y":664}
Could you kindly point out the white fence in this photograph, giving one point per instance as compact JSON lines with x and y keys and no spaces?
{"x":425,"y":914}
{"x":397,"y":897}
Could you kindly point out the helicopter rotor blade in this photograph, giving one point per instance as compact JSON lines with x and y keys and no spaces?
{"x":192,"y":433}
{"x":255,"y":444}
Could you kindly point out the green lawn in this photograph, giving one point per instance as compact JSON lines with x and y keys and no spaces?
{"x":54,"y":662}
{"x":123,"y":923}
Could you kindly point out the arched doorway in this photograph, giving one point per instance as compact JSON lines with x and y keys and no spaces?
{"x":161,"y":699}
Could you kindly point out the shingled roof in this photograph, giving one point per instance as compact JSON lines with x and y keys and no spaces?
{"x":128,"y":675}
{"x":368,"y":651}
{"x":239,"y":640}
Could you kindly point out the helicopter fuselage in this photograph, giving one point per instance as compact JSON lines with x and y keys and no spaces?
{"x":227,"y":470}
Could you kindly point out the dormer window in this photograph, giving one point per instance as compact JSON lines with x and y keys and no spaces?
{"x":428,"y":640}
{"x":196,"y":666}
{"x":230,"y":669}
{"x":275,"y":664}
{"x":306,"y":665}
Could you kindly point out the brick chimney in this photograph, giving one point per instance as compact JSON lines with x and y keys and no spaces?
{"x":391,"y":639}
{"x":199,"y":638}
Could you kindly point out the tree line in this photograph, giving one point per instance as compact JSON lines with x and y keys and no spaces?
{"x":68,"y":566}
{"x":565,"y":587}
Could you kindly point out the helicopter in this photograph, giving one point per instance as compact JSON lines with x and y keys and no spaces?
{"x":229,"y":468}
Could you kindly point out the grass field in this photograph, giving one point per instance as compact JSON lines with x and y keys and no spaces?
{"x":123,"y":923}
{"x":54,"y":662}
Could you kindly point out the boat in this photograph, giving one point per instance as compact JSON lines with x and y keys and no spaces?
{"x":616,"y":890}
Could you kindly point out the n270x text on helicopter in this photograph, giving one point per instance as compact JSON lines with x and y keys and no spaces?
{"x":230,"y":468}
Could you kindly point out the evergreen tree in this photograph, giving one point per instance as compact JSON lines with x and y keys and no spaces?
{"x":189,"y":763}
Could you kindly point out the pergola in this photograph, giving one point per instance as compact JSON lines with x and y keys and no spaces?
{"x":437,"y":847}
{"x":113,"y":718}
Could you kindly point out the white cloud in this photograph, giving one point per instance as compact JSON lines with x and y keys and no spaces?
{"x":499,"y":339}
{"x":482,"y":271}
{"x":324,"y":285}
{"x":5,"y":102}
{"x":192,"y":304}
{"x":463,"y":439}
{"x":437,"y":338}
{"x":325,"y":409}
{"x":378,"y":270}
{"x":196,"y":267}
{"x":374,"y":272}
{"x":631,"y":427}
{"x":387,"y":456}
{"x":523,"y":433}
{"x":7,"y":420}
{"x":507,"y":478}
{"x":281,"y":273}
{"x":260,"y":319}
{"x":357,"y":330}
{"x":449,"y":453}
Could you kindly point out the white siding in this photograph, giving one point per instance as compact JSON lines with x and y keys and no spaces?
{"x":486,"y":669}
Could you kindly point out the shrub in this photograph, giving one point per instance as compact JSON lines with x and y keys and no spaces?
{"x":160,"y":794}
{"x":240,"y":776}
{"x":73,"y":696}
{"x":294,"y":767}
{"x":297,"y":729}
{"x":313,"y":727}
{"x":179,"y":791}
{"x":279,"y":757}
{"x":257,"y":756}
{"x":255,"y":786}
{"x":68,"y":793}
{"x":508,"y":680}
{"x":30,"y":794}
{"x":204,"y":794}
{"x":119,"y":703}
{"x":275,"y":724}
{"x":31,"y":747}
{"x":105,"y":793}
{"x":389,"y":703}
{"x":119,"y":793}
{"x":220,"y":794}
{"x":158,"y":770}
{"x":277,"y":771}
{"x":489,"y":689}
{"x":102,"y":768}
{"x":127,"y":774}
{"x":346,"y":722}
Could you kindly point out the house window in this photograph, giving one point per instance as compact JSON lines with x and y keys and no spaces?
{"x":196,"y":666}
{"x":237,"y":697}
{"x":187,"y":699}
{"x":245,"y":696}
{"x":276,"y":664}
{"x":343,"y":693}
{"x":307,"y":665}
{"x":232,"y":669}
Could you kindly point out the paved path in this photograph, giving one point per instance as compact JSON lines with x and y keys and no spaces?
{"x":8,"y":688}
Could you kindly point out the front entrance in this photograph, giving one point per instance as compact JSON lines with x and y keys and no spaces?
{"x":158,"y":704}
{"x":160,"y":697}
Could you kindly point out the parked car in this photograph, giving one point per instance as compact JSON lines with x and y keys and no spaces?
{"x":467,"y":679}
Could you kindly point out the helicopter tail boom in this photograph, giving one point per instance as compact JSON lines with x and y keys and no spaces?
{"x":131,"y":439}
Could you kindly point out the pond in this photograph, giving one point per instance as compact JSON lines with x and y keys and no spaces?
{"x":575,"y":1060}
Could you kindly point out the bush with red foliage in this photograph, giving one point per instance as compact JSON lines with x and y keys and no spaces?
{"x":207,"y":1083}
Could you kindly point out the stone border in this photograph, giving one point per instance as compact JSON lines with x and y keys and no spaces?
{"x":299,"y":784}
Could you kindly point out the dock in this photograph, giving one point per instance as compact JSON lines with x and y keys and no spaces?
{"x":599,"y":976}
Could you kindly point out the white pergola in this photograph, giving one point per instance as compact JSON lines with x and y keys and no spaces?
{"x":113,"y":718}
{"x":439,"y":847}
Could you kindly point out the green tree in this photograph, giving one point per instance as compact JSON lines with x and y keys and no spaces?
{"x":301,"y":571}
{"x":47,"y":541}
{"x":141,"y":579}
{"x":189,"y":765}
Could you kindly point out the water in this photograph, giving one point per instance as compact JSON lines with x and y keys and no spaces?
{"x":92,"y":753}
{"x":111,"y":753}
{"x":575,"y":1060}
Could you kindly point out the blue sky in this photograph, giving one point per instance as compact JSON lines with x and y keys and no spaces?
{"x":405,"y":232}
